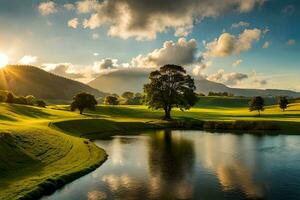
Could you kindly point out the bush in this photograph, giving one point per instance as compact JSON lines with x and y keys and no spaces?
{"x":30,"y":99}
{"x":111,"y":100}
{"x":41,"y":103}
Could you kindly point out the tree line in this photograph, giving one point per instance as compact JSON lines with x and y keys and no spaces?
{"x":170,"y":87}
{"x":9,"y":97}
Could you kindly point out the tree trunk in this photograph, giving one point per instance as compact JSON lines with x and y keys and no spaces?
{"x":81,"y":111}
{"x":167,"y":113}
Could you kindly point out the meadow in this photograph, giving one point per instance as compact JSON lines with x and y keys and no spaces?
{"x":44,"y":148}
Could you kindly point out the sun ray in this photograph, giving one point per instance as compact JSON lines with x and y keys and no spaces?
{"x":3,"y":60}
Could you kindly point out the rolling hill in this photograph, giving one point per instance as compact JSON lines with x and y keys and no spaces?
{"x":25,"y":80}
{"x":133,"y":80}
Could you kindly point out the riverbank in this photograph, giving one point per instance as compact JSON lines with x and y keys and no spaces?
{"x":108,"y":120}
{"x":44,"y":148}
{"x":36,"y":159}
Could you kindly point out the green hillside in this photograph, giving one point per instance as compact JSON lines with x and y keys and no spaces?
{"x":28,"y":80}
{"x":42,"y":149}
{"x":37,"y":159}
{"x":229,"y":102}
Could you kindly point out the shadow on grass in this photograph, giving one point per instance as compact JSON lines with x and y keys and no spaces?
{"x":28,"y":111}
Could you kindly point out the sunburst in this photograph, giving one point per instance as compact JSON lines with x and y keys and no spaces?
{"x":3,"y":60}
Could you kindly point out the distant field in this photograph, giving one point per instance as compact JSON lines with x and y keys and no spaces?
{"x":228,"y":102}
{"x":107,"y":118}
{"x":39,"y":150}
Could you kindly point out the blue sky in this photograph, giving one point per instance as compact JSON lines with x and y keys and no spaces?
{"x":46,"y":39}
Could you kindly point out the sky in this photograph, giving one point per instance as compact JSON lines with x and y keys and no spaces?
{"x":241,"y":43}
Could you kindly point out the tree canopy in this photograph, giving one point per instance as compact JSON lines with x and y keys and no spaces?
{"x":111,"y":100}
{"x":257,"y":104}
{"x":82,"y":101}
{"x":170,"y":87}
{"x":283,"y":103}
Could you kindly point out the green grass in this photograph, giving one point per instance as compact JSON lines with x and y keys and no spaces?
{"x":36,"y":158}
{"x":41,"y":148}
{"x":228,"y":102}
{"x":124,"y":118}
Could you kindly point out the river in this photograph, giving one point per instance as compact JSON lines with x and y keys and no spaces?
{"x":192,"y":165}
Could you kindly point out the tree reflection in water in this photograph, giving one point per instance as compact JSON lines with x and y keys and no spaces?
{"x":171,"y":163}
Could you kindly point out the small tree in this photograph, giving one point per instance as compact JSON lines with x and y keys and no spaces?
{"x":30,"y":99}
{"x":82,"y":101}
{"x":20,"y":100}
{"x":257,"y":103}
{"x":128,"y":96}
{"x":170,"y":87}
{"x":10,"y":98}
{"x":41,"y":103}
{"x":283,"y":103}
{"x":111,"y":100}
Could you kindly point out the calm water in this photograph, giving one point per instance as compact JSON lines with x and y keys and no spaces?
{"x":192,"y":165}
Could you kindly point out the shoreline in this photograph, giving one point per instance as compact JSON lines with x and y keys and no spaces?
{"x":45,"y":123}
{"x":50,"y":186}
{"x":211,"y":126}
{"x":238,"y":126}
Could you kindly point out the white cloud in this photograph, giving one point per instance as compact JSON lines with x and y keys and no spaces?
{"x":199,"y":69}
{"x":266,"y":30}
{"x":93,"y":22}
{"x":237,"y":63}
{"x":28,"y":60}
{"x":86,"y":6}
{"x":69,"y":6}
{"x":73,"y":23}
{"x":142,"y":20}
{"x":47,"y":8}
{"x":240,"y":24}
{"x":66,"y":70}
{"x":257,"y":80}
{"x":182,"y":52}
{"x":228,"y":44}
{"x":266,"y":45}
{"x":291,"y":42}
{"x":95,"y":36}
{"x":106,"y":63}
{"x":230,"y":79}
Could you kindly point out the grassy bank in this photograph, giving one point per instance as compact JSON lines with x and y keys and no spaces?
{"x":36,"y":159}
{"x":110,"y":119}
{"x":44,"y":148}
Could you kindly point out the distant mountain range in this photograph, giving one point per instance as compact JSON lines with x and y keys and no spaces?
{"x":133,"y":80}
{"x":29,"y":80}
{"x":25,"y":80}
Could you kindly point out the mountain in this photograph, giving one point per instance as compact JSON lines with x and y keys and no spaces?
{"x":206,"y":86}
{"x":134,"y":79}
{"x":121,"y":80}
{"x":24,"y":80}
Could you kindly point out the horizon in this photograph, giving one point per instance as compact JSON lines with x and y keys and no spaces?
{"x":242,"y":44}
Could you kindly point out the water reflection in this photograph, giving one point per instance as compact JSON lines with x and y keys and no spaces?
{"x":96,"y":195}
{"x":228,"y":158}
{"x":192,"y":165}
{"x":171,"y":163}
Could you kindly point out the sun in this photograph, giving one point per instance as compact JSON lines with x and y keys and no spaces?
{"x":3,"y":60}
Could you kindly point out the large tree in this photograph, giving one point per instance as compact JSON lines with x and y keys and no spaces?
{"x":82,"y":101}
{"x":283,"y":103}
{"x":170,"y":87}
{"x":257,"y":103}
